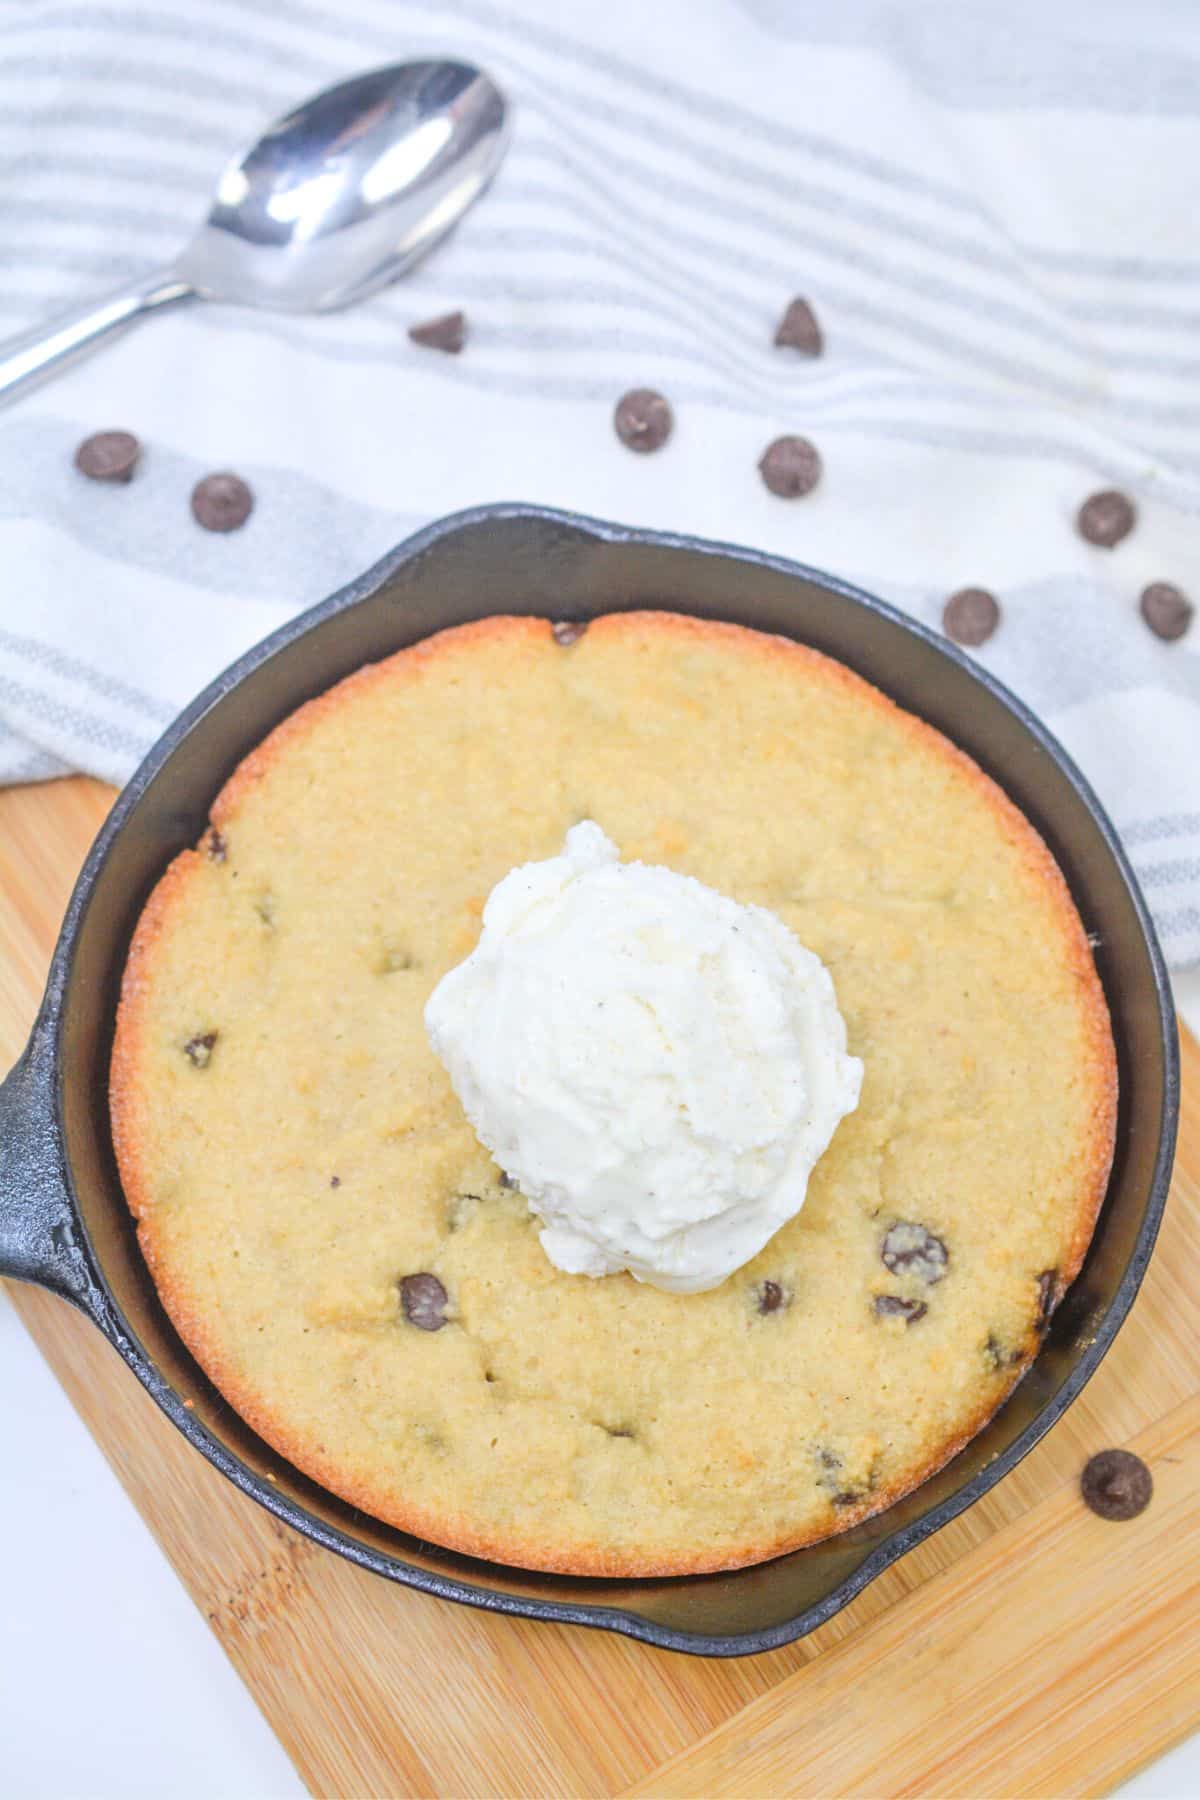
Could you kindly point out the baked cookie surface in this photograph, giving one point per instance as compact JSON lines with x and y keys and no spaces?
{"x":296,"y":1157}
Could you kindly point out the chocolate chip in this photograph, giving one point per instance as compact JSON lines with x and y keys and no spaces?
{"x":335,"y":1181}
{"x":1106,"y":518}
{"x":909,"y":1249}
{"x":970,"y":616}
{"x":1166,"y":610}
{"x":215,"y":847}
{"x":1116,"y":1484}
{"x":199,"y":1049}
{"x":830,"y":1476}
{"x":643,"y":420}
{"x":1047,"y":1284}
{"x":221,"y":502}
{"x":108,"y":456}
{"x":998,"y":1355}
{"x":798,"y":330}
{"x":568,"y":631}
{"x":507,"y":1181}
{"x":423,"y":1301}
{"x":447,"y":332}
{"x":790,"y":467}
{"x":893,"y":1306}
{"x":771,"y":1296}
{"x":618,"y":1431}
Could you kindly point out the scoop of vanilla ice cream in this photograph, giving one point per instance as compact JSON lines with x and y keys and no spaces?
{"x":657,"y":1066}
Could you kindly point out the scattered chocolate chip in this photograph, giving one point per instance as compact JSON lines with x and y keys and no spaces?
{"x":221,"y":502}
{"x":335,"y":1181}
{"x":771,"y":1296}
{"x":507,"y":1181}
{"x":909,"y":1249}
{"x":423,"y":1301}
{"x":568,"y":631}
{"x":790,"y":467}
{"x":970,"y":616}
{"x":1106,"y":518}
{"x":108,"y":456}
{"x":619,"y":1431}
{"x":643,"y":420}
{"x":1047,"y":1284}
{"x":215,"y":847}
{"x":1116,"y":1484}
{"x":1166,"y":610}
{"x":199,"y":1049}
{"x":798,"y":329}
{"x":447,"y":332}
{"x":894,"y":1306}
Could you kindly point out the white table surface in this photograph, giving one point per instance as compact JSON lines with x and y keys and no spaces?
{"x":111,"y":1683}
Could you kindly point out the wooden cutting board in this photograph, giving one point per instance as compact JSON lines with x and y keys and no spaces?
{"x":1029,"y":1648}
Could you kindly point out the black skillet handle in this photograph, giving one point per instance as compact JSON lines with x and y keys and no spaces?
{"x":40,"y":1238}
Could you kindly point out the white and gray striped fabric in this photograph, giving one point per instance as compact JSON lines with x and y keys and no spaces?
{"x":993,"y":209}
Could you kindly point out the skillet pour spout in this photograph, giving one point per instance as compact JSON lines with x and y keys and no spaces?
{"x":63,"y":1218}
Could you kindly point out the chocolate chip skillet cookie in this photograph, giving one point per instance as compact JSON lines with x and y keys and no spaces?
{"x":367,"y":1285}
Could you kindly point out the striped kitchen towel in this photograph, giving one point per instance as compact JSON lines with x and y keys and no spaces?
{"x":995,"y":220}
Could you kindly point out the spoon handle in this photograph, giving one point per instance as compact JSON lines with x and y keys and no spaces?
{"x":35,"y":354}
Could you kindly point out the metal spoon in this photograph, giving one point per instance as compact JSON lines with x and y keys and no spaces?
{"x":332,"y":203}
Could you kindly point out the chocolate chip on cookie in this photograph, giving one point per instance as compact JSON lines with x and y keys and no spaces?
{"x":894,"y":1306}
{"x":215,"y":847}
{"x":799,"y":330}
{"x":199,"y":1049}
{"x":909,"y":1249}
{"x":1000,"y":1355}
{"x":423,"y":1301}
{"x":643,"y":420}
{"x":568,"y":631}
{"x":1116,"y":1484}
{"x":108,"y":456}
{"x":1105,"y":518}
{"x":447,"y":332}
{"x":506,"y":1180}
{"x":1047,"y":1286}
{"x":1166,"y":609}
{"x":771,"y":1296}
{"x":790,"y":467}
{"x":843,"y":1490}
{"x":335,"y":1181}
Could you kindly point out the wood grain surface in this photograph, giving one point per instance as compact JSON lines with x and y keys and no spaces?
{"x":1029,"y":1648}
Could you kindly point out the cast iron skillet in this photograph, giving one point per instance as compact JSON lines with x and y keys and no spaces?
{"x":63,"y":1220}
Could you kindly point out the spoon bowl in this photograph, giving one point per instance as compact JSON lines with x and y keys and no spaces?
{"x":334,"y":201}
{"x":350,"y":190}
